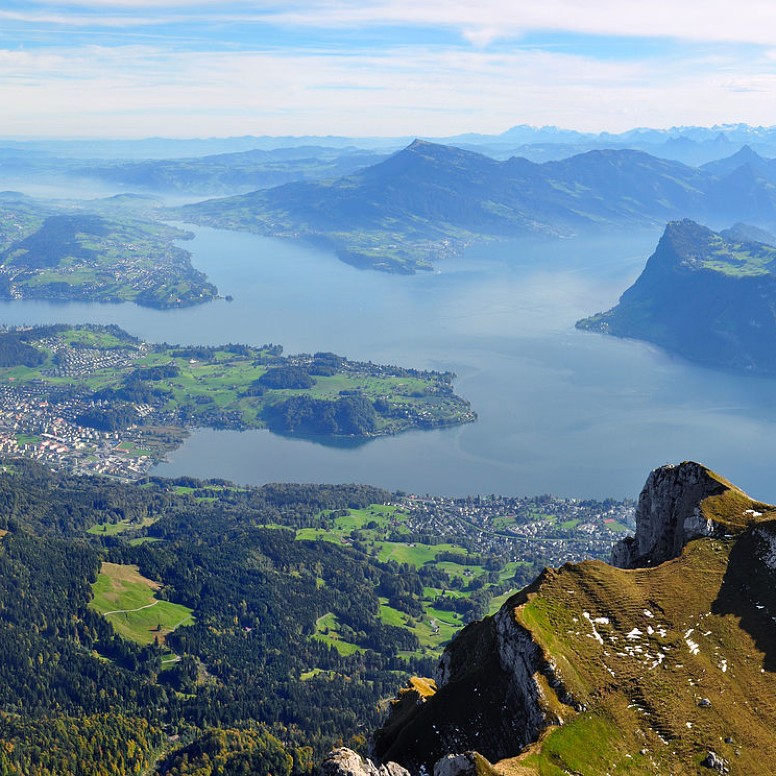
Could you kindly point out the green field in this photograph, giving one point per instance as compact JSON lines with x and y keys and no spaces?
{"x":368,"y":530}
{"x":327,"y":630}
{"x":128,"y":601}
{"x":112,"y":529}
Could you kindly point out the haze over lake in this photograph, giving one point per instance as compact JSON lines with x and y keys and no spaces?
{"x":560,"y":411}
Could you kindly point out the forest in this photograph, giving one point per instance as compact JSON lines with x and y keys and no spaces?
{"x":74,"y":693}
{"x":186,"y":626}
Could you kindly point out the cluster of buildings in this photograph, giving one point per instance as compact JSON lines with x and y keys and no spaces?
{"x":32,"y":427}
{"x":556,"y":529}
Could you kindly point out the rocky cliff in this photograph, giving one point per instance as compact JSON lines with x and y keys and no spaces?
{"x":709,"y":297}
{"x":661,"y":667}
{"x":672,"y":510}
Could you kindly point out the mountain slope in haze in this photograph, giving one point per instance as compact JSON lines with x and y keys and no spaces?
{"x":229,"y":173}
{"x":707,"y":296}
{"x":663,"y":667}
{"x":746,"y":155}
{"x":430,"y":201}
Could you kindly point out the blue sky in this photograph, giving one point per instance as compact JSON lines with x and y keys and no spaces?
{"x":114,"y":68}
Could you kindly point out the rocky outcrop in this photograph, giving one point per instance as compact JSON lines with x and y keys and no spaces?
{"x":346,"y":762}
{"x":466,"y":764}
{"x":669,"y":515}
{"x":704,"y":296}
{"x":496,"y":694}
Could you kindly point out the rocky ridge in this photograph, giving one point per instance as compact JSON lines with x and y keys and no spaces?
{"x":663,"y":665}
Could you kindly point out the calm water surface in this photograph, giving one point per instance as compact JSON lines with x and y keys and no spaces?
{"x":560,"y":411}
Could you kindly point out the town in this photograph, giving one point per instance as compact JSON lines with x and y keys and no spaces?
{"x":558,"y":530}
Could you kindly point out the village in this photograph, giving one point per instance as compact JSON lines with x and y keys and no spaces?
{"x":33,"y":427}
{"x":560,"y":529}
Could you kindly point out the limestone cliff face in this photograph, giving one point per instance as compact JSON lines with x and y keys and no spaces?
{"x":669,"y":515}
{"x":496,"y":693}
{"x":592,"y":668}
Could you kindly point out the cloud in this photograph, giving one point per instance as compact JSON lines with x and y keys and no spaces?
{"x":750,"y":21}
{"x":145,"y":90}
{"x":481,"y":23}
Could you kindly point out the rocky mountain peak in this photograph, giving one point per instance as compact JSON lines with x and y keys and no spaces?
{"x":671,"y":512}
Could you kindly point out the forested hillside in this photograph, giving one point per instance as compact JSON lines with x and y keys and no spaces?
{"x":189,"y":626}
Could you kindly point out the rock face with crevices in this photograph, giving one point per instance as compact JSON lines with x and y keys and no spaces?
{"x":346,"y":762}
{"x":669,"y":515}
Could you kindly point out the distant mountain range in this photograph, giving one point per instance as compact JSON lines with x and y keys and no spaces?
{"x":429,"y":201}
{"x":707,"y":296}
{"x":690,"y":144}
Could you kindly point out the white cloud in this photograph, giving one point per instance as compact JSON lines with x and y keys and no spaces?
{"x":141,"y":90}
{"x":748,"y":21}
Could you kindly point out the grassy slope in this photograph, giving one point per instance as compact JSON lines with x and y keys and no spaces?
{"x":667,"y":663}
{"x":122,"y":587}
{"x":645,"y":649}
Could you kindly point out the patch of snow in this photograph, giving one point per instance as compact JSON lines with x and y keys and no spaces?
{"x":660,"y":659}
{"x":753,"y":513}
{"x":693,"y":646}
{"x":595,"y":634}
{"x":634,"y":634}
{"x":649,"y":614}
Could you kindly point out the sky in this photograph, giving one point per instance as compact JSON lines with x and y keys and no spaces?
{"x":431,"y":68}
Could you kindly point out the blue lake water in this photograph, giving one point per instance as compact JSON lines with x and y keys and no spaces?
{"x":560,"y":411}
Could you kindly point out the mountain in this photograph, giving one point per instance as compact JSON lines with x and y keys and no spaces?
{"x":429,"y":201}
{"x":745,"y":156}
{"x":707,"y":296}
{"x":662,"y":663}
{"x":230,"y":173}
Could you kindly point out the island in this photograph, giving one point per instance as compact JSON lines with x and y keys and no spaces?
{"x":707,"y":296}
{"x":94,"y":399}
{"x":48,"y":251}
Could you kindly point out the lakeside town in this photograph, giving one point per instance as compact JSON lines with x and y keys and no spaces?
{"x":33,"y":427}
{"x":559,"y":530}
{"x":91,"y":399}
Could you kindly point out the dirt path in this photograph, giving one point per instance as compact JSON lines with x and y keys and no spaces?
{"x":125,"y":611}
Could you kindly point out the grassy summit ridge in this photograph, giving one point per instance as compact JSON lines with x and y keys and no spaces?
{"x":639,"y":671}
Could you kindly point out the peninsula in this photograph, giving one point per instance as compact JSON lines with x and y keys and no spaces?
{"x":703,"y":295}
{"x":95,"y":399}
{"x":52,"y":252}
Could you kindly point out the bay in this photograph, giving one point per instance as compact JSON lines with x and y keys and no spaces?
{"x":560,"y":411}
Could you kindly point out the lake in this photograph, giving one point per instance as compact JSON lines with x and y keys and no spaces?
{"x":560,"y":411}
